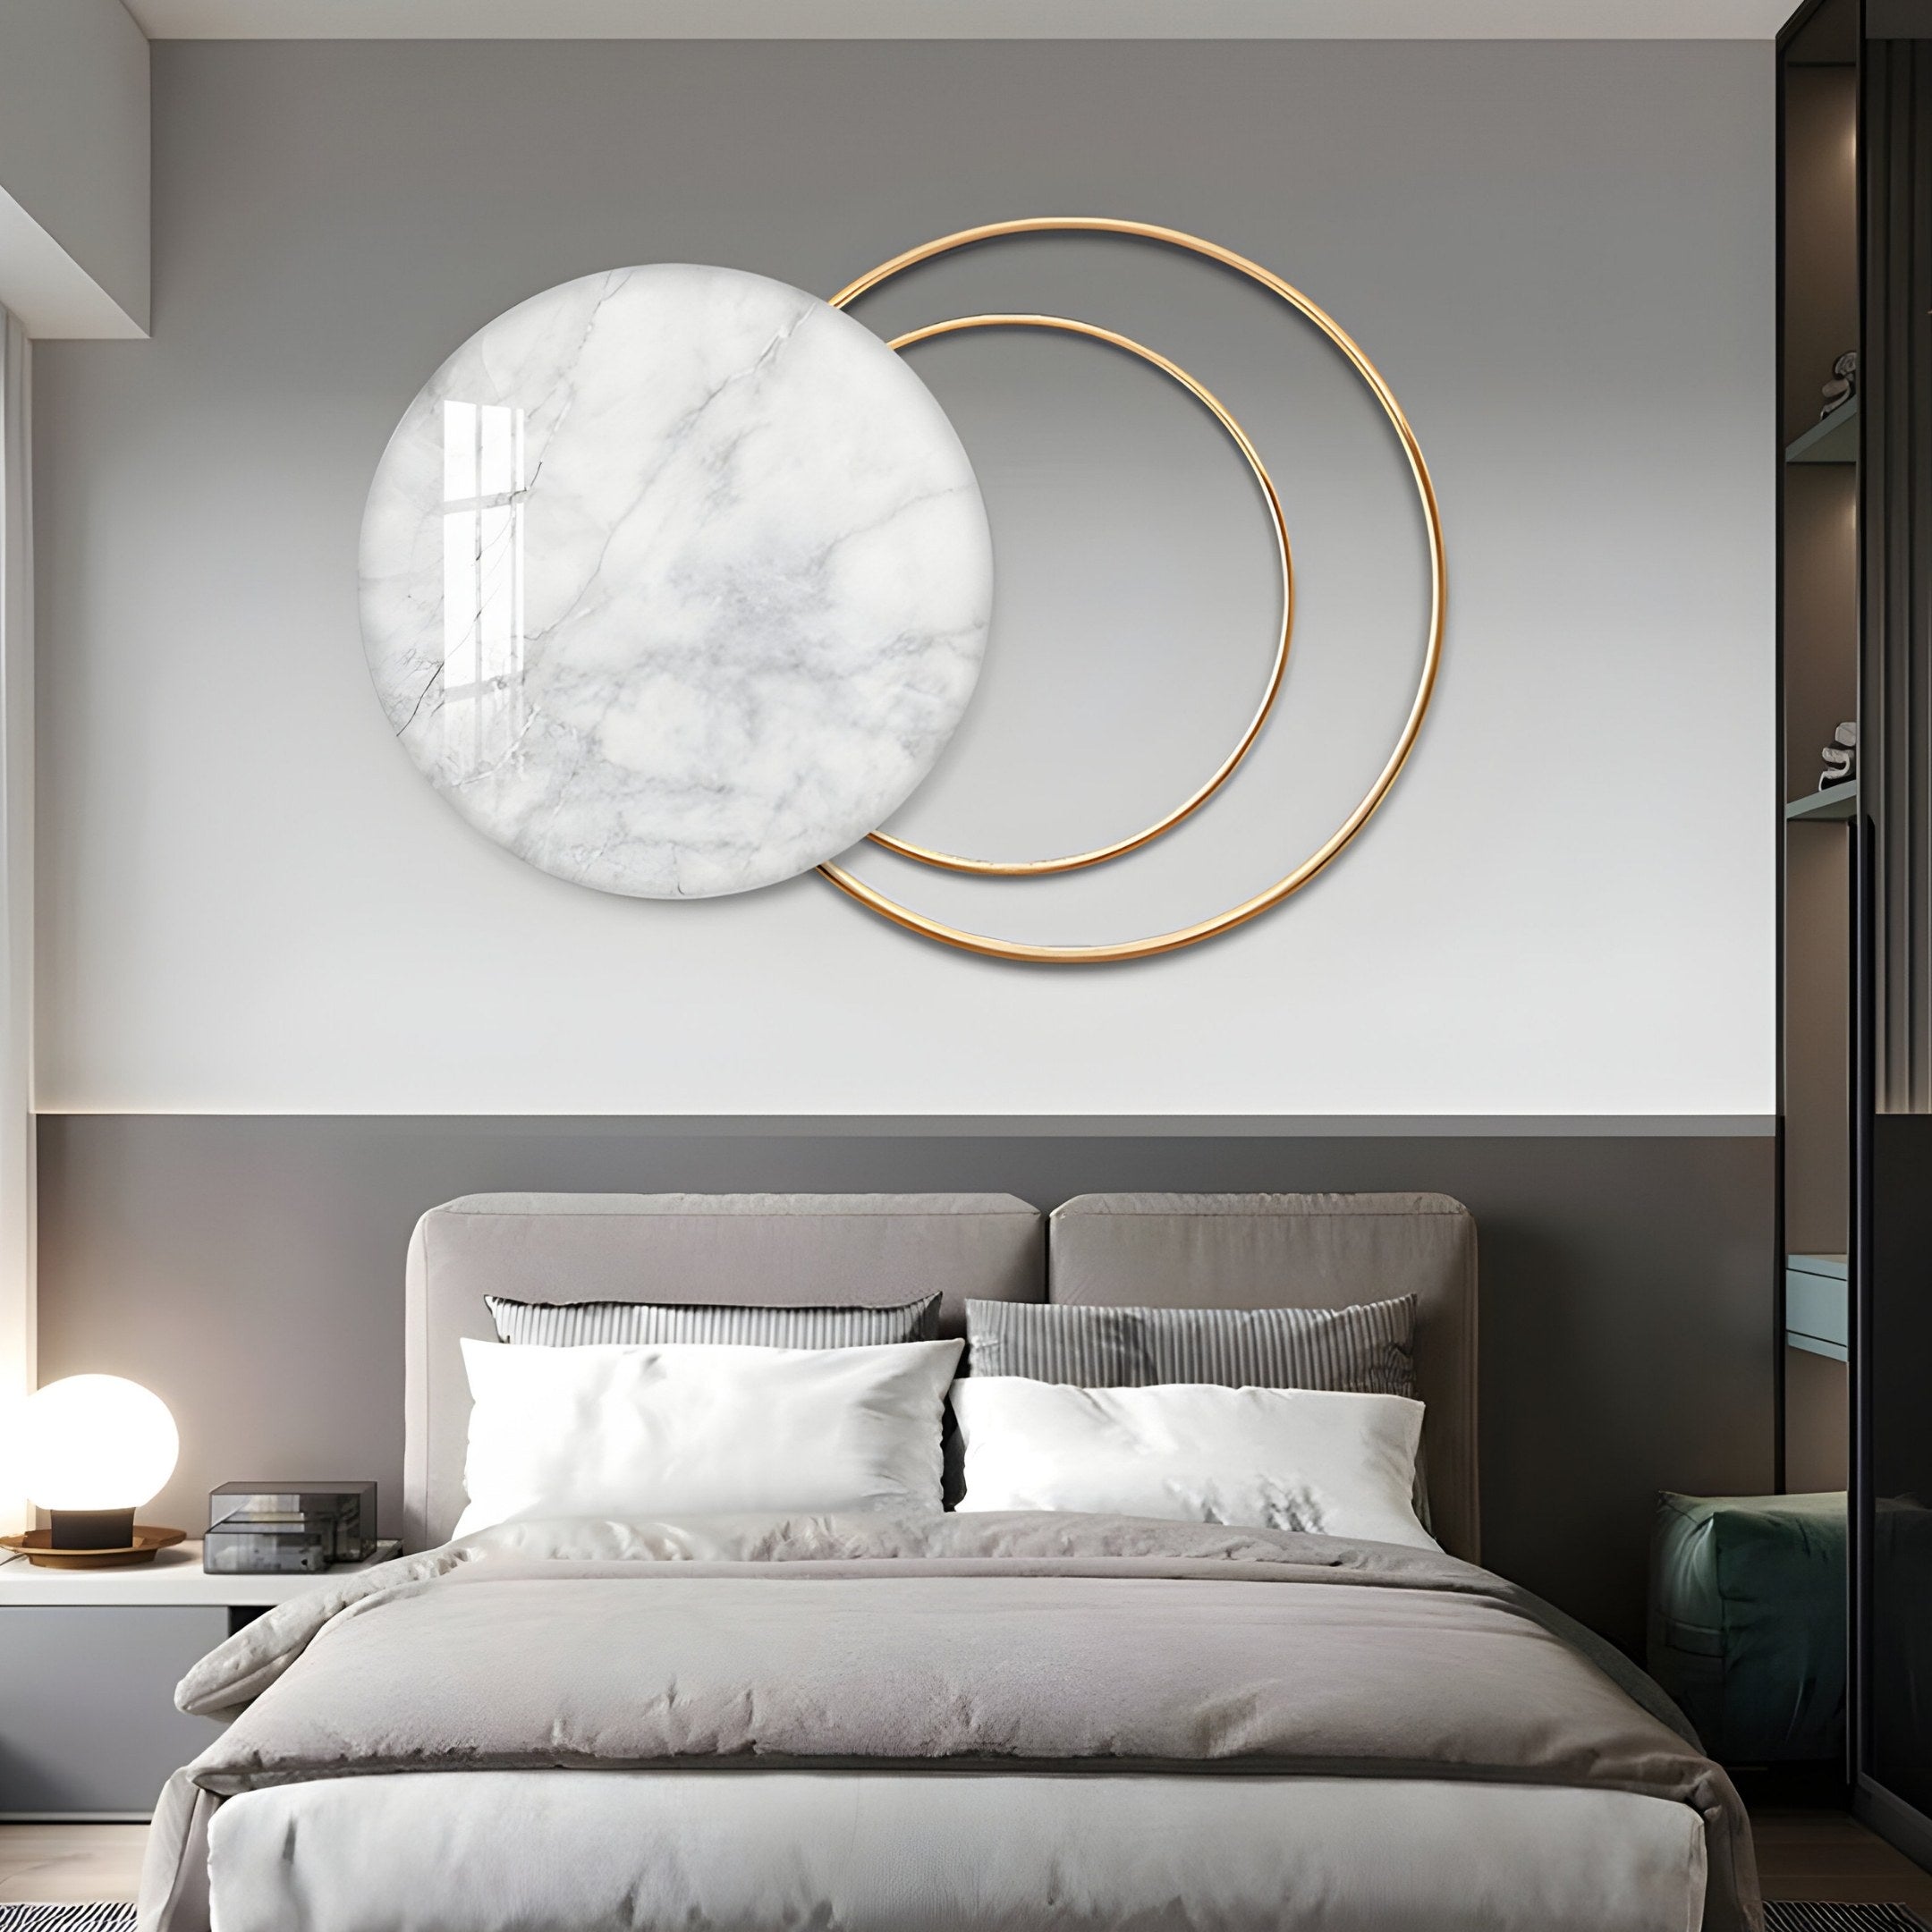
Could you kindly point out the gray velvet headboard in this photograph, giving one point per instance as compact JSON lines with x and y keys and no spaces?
{"x":1206,"y":1250}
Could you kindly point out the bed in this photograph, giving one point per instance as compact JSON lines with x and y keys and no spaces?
{"x":1004,"y":1720}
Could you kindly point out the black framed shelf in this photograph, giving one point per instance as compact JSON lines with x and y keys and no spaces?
{"x":1835,"y":805}
{"x":1831,"y":439}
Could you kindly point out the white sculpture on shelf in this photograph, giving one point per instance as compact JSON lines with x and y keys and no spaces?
{"x":1841,"y":757}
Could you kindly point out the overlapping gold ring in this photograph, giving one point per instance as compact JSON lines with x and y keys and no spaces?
{"x":1323,"y":854}
{"x":1031,"y":868}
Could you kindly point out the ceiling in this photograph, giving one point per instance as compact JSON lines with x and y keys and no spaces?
{"x":959,"y":20}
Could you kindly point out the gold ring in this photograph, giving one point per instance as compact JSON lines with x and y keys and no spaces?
{"x":1320,"y":858}
{"x":1036,"y":868}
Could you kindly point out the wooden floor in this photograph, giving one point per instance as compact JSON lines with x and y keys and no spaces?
{"x":1808,"y":1854}
{"x":69,"y":1864}
{"x":1801,"y":1854}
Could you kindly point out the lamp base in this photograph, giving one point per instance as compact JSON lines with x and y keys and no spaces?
{"x":91,"y":1529}
{"x":38,"y":1547}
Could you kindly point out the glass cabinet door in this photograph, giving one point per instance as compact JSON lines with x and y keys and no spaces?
{"x":1891,"y":1253}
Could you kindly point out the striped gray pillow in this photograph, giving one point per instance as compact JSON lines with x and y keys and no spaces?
{"x":1366,"y":1351}
{"x":571,"y":1324}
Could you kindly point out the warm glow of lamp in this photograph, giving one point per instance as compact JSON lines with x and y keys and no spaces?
{"x":91,"y":1449}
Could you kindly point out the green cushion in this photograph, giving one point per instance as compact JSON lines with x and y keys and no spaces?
{"x":1748,"y":1622}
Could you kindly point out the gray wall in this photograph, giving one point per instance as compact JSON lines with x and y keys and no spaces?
{"x":250,"y":1270}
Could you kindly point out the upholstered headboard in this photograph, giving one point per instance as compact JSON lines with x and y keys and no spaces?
{"x":1175,"y":1250}
{"x":1302,"y":1251}
{"x":771,"y":1250}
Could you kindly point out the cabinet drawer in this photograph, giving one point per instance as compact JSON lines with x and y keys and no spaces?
{"x":88,"y":1724}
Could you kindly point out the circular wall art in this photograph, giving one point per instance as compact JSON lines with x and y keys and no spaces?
{"x":675,"y":581}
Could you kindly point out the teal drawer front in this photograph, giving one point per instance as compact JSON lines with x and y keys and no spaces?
{"x":1817,"y":1305}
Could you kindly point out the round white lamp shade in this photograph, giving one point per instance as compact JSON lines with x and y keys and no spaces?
{"x":96,"y":1442}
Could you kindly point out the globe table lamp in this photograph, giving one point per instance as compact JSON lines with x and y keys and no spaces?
{"x":91,"y":1448}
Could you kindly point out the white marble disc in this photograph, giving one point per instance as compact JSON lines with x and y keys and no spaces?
{"x":675,"y":581}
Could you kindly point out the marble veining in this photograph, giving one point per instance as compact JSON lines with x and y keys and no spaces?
{"x":674,"y":580}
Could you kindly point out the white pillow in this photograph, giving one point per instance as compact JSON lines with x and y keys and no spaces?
{"x":1276,"y":1459}
{"x":673,"y":1428}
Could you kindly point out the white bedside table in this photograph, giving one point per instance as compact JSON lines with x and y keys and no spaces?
{"x":88,"y":1662}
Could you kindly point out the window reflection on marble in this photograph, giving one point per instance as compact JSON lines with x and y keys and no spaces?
{"x":483,"y":493}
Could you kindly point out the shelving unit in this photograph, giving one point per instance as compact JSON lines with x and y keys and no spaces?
{"x":1820,"y":319}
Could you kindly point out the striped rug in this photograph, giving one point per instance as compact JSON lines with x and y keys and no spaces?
{"x":1785,"y":1916}
{"x":105,"y":1918}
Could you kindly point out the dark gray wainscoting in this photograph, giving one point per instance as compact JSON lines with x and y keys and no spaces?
{"x":251,"y":1270}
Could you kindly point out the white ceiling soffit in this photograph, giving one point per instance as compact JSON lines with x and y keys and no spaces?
{"x":961,"y":20}
{"x":49,"y":290}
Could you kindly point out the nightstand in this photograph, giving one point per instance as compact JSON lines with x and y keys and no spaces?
{"x":88,"y":1662}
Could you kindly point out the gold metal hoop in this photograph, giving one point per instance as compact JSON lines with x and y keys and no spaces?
{"x":1038,"y":867}
{"x":1325,"y":854}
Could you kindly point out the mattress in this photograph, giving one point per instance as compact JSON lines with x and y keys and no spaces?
{"x":651,"y":1852}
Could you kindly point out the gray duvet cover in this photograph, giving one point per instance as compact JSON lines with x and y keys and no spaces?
{"x":998,"y":1642}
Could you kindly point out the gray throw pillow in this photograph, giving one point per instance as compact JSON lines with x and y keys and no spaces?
{"x":1365,"y":1350}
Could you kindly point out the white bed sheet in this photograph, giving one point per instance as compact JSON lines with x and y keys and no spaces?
{"x":933,"y":1852}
